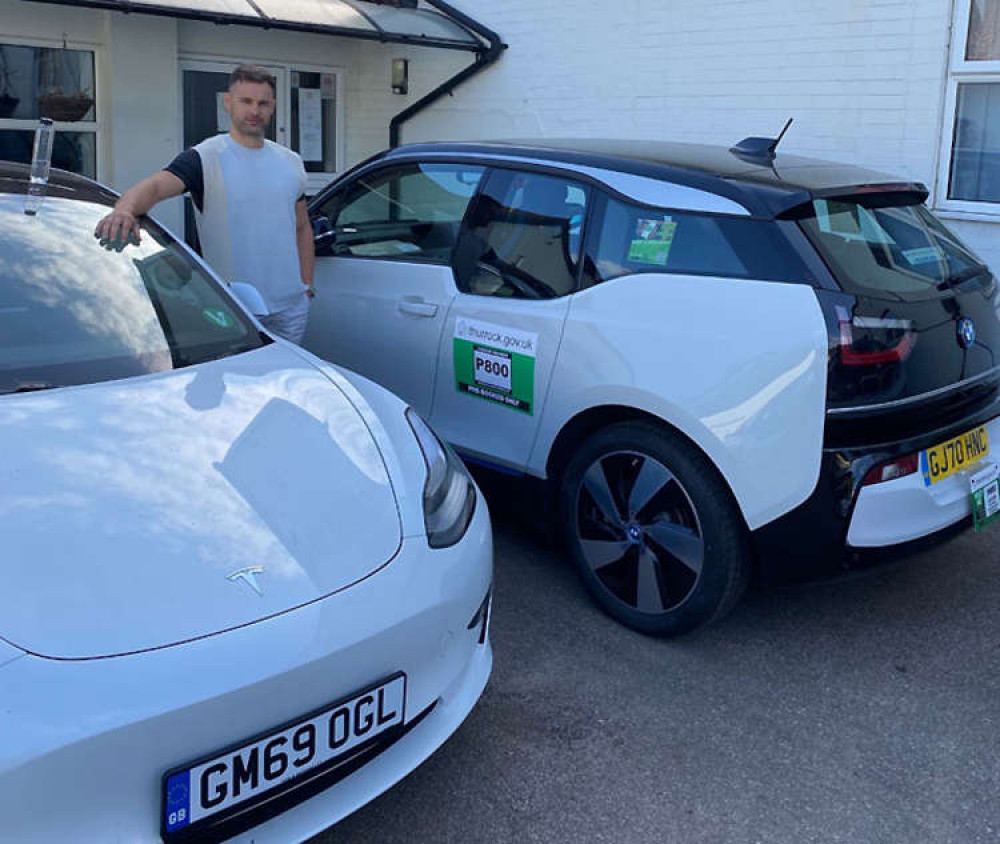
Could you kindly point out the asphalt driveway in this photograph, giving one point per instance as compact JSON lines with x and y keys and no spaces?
{"x":862,"y":710}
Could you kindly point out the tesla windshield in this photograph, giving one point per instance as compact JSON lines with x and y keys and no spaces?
{"x":72,"y":312}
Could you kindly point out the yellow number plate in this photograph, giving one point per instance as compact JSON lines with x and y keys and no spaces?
{"x":944,"y":460}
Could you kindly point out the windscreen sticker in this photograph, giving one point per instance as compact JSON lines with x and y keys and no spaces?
{"x":495,"y":363}
{"x":652,"y":241}
{"x":923,"y":255}
{"x":218,"y":317}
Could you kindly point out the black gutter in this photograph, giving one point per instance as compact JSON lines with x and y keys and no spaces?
{"x":126,"y":7}
{"x":484,"y":58}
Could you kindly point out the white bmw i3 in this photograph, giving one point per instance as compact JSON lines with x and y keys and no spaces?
{"x":242,"y":592}
{"x":723,"y":362}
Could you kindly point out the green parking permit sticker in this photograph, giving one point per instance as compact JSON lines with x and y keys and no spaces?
{"x":218,"y":317}
{"x":652,"y":241}
{"x":923,"y":255}
{"x":985,"y":495}
{"x":495,"y":363}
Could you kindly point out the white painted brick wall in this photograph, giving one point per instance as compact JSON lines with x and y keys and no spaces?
{"x":861,"y":78}
{"x":864,"y":79}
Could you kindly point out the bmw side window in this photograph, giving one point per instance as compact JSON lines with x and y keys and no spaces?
{"x":523,"y":237}
{"x":630,"y":239}
{"x":411,"y":212}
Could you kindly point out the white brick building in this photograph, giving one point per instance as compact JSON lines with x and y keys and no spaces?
{"x":134,"y":67}
{"x":875,"y":82}
{"x":872,"y":82}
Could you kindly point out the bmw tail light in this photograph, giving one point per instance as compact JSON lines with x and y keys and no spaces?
{"x":870,"y":341}
{"x":892,"y":469}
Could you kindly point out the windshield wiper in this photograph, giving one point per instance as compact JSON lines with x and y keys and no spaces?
{"x":962,"y":276}
{"x":29,"y":387}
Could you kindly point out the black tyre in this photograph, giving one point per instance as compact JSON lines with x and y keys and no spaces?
{"x":652,"y":529}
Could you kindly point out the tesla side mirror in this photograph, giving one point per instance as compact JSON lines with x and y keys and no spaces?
{"x":250,"y":298}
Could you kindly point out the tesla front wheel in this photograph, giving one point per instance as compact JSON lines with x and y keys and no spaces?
{"x":653,"y":530}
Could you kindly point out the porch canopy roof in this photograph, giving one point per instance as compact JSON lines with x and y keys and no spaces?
{"x":370,"y":19}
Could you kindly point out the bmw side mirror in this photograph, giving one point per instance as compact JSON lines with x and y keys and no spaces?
{"x":324,"y":235}
{"x":250,"y":298}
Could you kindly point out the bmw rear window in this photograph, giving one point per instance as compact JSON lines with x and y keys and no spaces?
{"x":888,"y":248}
{"x":628,"y":239}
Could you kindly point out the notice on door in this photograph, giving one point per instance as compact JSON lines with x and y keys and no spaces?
{"x":310,"y":124}
{"x":495,"y":363}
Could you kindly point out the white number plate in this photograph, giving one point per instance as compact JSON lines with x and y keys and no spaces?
{"x":247,"y":772}
{"x":492,"y":368}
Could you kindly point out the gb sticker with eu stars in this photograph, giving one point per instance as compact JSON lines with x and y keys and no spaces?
{"x":495,"y":363}
{"x":985,"y":495}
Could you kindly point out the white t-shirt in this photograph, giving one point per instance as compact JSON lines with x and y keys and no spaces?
{"x":247,"y":222}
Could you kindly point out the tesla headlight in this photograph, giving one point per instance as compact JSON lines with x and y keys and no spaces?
{"x":449,"y":495}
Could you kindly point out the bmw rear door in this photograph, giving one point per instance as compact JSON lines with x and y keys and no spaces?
{"x":516,"y":265}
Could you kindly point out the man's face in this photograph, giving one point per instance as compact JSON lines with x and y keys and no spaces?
{"x":250,"y":106}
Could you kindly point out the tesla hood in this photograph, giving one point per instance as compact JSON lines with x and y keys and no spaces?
{"x":146,"y":512}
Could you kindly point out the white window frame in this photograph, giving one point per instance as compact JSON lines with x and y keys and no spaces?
{"x":962,"y":72}
{"x":95,"y":126}
{"x":282,"y":116}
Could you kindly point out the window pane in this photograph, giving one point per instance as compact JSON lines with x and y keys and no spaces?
{"x":46,"y":82}
{"x":408,"y":212}
{"x":72,"y":312}
{"x":984,"y":31}
{"x":314,"y":120}
{"x":315,"y":12}
{"x":420,"y":23}
{"x":633,"y":239}
{"x":896,"y":249}
{"x":975,"y":158}
{"x":73,"y":151}
{"x":523,"y":241}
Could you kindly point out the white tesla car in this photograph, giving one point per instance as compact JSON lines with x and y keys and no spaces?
{"x":242,"y":592}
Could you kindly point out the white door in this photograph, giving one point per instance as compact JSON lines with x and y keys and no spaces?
{"x":384,"y":286}
{"x":516,"y":265}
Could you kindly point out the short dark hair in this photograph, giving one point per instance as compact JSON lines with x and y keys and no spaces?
{"x":253,"y":73}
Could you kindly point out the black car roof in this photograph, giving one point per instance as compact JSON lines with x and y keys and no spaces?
{"x":765,"y":189}
{"x":15,"y":178}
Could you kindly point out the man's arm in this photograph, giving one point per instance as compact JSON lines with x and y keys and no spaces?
{"x":123,"y":221}
{"x":304,"y":241}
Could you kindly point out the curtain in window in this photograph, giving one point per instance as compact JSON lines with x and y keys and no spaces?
{"x":975,"y":162}
{"x":984,"y":31}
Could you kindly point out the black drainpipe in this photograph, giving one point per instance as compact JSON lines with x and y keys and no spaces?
{"x":484,"y":58}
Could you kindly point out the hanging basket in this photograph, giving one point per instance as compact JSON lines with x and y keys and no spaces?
{"x":65,"y":107}
{"x":8,"y":105}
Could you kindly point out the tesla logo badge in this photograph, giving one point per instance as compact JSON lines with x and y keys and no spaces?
{"x":249,"y":577}
{"x":966,"y":333}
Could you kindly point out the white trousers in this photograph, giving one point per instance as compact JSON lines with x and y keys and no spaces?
{"x":289,"y":323}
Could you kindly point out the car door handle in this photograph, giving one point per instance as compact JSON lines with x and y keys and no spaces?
{"x":417,"y":307}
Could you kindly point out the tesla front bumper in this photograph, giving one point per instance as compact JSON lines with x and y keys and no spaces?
{"x":84,"y":744}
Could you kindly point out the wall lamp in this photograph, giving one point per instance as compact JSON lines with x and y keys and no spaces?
{"x":400,"y":76}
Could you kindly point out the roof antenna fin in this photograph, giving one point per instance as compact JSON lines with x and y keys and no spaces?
{"x":759,"y":151}
{"x":41,"y":163}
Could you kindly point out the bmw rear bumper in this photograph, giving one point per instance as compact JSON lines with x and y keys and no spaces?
{"x":843,"y":525}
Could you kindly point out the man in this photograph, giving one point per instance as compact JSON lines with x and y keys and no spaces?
{"x":249,"y":199}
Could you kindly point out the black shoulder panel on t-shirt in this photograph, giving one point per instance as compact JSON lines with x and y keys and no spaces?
{"x":187,"y":168}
